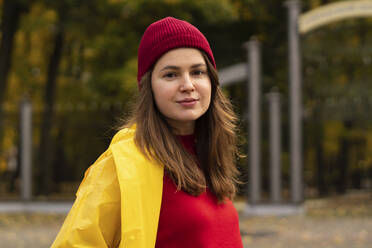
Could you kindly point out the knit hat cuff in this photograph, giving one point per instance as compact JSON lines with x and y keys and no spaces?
{"x":167,"y":34}
{"x":156,"y":52}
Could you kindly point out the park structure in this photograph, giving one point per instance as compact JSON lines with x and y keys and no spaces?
{"x":298,"y":24}
{"x":250,"y":72}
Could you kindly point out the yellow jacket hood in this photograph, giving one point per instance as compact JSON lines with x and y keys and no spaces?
{"x":118,"y":202}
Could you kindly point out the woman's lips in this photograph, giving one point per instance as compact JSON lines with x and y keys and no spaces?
{"x":188,"y":102}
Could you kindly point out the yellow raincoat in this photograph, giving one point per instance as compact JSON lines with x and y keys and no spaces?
{"x":118,"y":202}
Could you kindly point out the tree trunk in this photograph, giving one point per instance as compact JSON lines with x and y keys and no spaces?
{"x":11,"y":10}
{"x":45,"y":151}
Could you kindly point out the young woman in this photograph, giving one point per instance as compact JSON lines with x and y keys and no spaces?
{"x":168,"y":177}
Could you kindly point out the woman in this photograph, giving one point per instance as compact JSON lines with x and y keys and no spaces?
{"x":168,"y":177}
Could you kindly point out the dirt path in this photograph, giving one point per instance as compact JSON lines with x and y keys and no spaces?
{"x":28,"y":230}
{"x":38,"y":231}
{"x":342,"y":222}
{"x":307,"y":232}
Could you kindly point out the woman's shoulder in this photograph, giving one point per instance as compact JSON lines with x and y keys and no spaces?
{"x":106,"y":164}
{"x":128,"y":157}
{"x":107,"y":158}
{"x":124,"y":134}
{"x":123,"y":146}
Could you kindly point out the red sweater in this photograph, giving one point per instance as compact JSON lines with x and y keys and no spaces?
{"x":195,"y":222}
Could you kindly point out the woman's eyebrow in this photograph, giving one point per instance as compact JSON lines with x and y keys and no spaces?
{"x":170,"y":67}
{"x":173,"y":67}
{"x":198,"y":65}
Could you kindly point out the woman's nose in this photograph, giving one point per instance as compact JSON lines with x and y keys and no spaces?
{"x":187,"y":83}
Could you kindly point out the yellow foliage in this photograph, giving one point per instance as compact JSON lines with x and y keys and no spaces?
{"x":89,"y":53}
{"x":369,"y":142}
{"x":117,"y":1}
{"x":245,"y":14}
{"x":355,"y":41}
{"x":315,"y":3}
{"x":332,"y":131}
{"x":364,"y":164}
{"x":9,"y":138}
{"x":171,"y":1}
{"x":3,"y":166}
{"x":50,"y":15}
{"x":342,"y":79}
{"x":310,"y":158}
{"x":14,"y":92}
{"x":130,"y":75}
{"x":9,"y":141}
{"x":36,"y":53}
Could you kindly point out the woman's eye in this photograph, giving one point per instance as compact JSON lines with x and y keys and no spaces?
{"x":198,"y":72}
{"x":170,"y":75}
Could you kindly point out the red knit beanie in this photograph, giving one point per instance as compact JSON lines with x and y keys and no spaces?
{"x":167,"y":34}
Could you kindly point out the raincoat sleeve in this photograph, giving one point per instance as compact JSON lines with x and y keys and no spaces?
{"x":94,"y":219}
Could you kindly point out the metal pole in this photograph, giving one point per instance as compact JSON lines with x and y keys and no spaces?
{"x":275,"y":145}
{"x":26,"y":149}
{"x":254,"y":85}
{"x":295,"y":96}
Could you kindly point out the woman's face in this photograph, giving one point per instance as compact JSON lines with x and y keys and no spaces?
{"x":181,"y":88}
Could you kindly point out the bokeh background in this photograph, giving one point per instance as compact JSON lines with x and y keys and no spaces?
{"x":75,"y":60}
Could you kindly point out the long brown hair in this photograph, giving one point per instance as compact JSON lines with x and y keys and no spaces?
{"x":216,"y":142}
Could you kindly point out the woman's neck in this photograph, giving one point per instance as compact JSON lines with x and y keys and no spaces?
{"x":182,"y":127}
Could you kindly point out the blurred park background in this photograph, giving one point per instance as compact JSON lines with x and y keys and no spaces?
{"x":76,"y":62}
